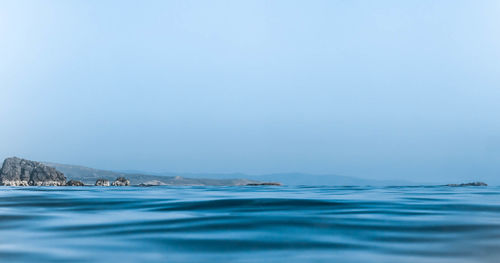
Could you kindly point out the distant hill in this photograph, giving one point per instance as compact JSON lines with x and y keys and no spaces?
{"x":301,"y":179}
{"x":89,"y":176}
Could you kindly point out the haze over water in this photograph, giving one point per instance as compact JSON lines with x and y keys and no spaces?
{"x":392,"y":90}
{"x":249,"y":224}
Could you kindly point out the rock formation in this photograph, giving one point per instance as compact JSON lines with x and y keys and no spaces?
{"x":264,"y":183}
{"x":74,"y":183}
{"x":102,"y":182}
{"x":121,"y":181}
{"x":20,"y":172}
{"x":468,"y":184}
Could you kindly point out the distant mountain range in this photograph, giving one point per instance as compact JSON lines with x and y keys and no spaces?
{"x":89,"y":176}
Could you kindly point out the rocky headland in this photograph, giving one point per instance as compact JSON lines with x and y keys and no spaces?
{"x":20,"y":172}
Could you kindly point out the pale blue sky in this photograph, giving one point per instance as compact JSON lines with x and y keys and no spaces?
{"x":374,"y":89}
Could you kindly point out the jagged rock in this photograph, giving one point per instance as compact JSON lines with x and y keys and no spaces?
{"x":468,"y":184}
{"x":121,"y":181}
{"x":102,"y":182}
{"x":265,"y":183}
{"x":74,"y":183}
{"x":20,"y":172}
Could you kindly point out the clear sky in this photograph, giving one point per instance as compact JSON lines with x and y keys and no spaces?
{"x":374,"y":89}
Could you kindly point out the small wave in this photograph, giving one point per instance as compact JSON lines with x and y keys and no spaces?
{"x":230,"y":224}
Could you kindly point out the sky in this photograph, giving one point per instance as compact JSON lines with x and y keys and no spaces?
{"x":374,"y":89}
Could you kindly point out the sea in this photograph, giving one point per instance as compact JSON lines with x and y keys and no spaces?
{"x":250,"y":224}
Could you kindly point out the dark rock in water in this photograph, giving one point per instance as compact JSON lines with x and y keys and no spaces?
{"x":468,"y":184}
{"x":102,"y":182}
{"x":261,"y":184}
{"x":20,"y":172}
{"x":152,"y":183}
{"x":121,"y":181}
{"x":74,"y":183}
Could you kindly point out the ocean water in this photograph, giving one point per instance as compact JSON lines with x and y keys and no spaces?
{"x":250,"y":224}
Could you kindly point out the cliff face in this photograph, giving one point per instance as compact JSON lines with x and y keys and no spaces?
{"x":20,"y":172}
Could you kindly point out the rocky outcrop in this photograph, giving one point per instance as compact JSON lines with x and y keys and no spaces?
{"x":20,"y":172}
{"x":121,"y":181}
{"x":102,"y":182}
{"x":74,"y":183}
{"x":468,"y":184}
{"x":263,"y":184}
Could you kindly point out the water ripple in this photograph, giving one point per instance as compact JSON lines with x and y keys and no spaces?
{"x":249,"y":224}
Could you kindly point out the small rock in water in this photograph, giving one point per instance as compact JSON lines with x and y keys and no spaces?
{"x":468,"y":184}
{"x":121,"y":181}
{"x":74,"y":183}
{"x":261,"y":184}
{"x":102,"y":182}
{"x":20,"y":172}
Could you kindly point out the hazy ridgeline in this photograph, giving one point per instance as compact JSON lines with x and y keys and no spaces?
{"x":90,"y":175}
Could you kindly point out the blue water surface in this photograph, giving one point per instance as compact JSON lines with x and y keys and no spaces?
{"x":250,"y":224}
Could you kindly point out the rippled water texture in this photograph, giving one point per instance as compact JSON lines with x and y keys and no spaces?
{"x":249,"y":224}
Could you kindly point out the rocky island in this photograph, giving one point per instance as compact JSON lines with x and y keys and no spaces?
{"x":265,"y":184}
{"x":102,"y":182}
{"x":121,"y":181}
{"x":74,"y":183}
{"x":468,"y":184}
